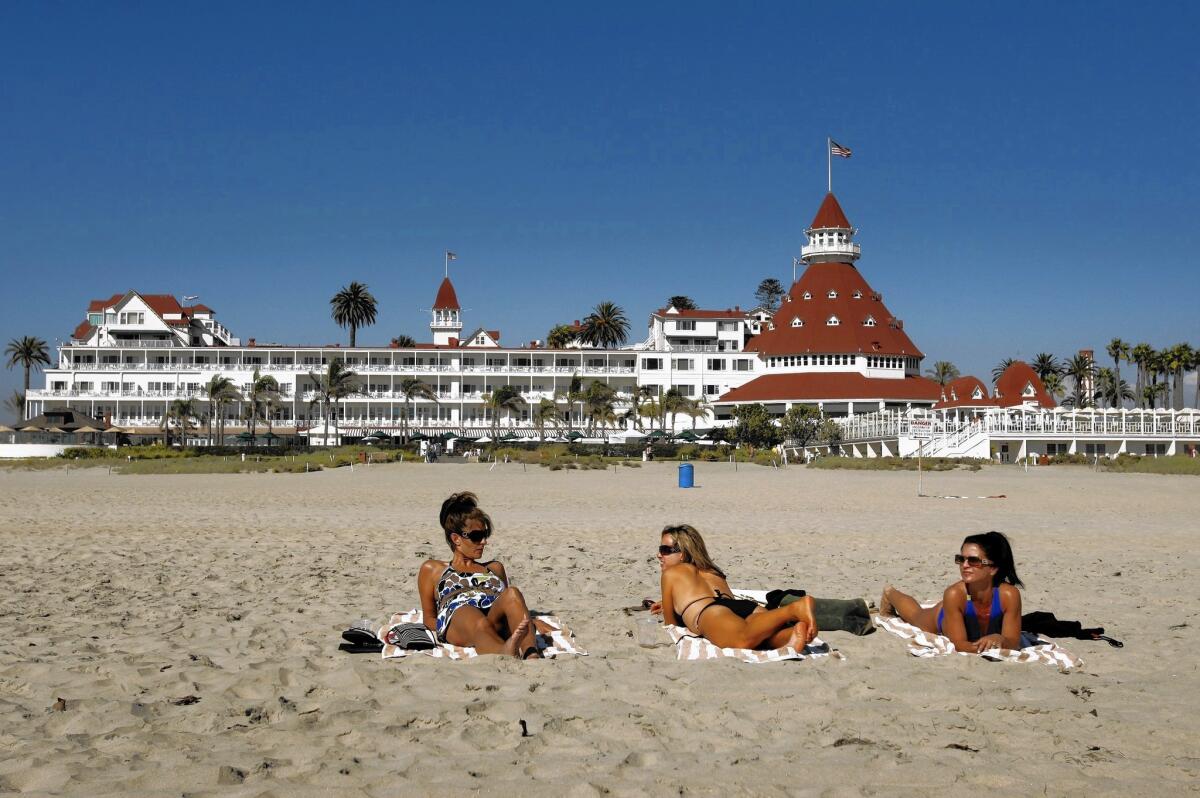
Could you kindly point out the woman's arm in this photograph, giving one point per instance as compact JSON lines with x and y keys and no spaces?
{"x":1010,"y":629}
{"x":427,"y":579}
{"x":668,"y":605}
{"x":954,"y":602}
{"x":495,"y":567}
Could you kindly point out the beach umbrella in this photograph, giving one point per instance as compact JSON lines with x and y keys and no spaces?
{"x":509,"y":436}
{"x":573,"y":435}
{"x":270,"y":436}
{"x":483,"y":439}
{"x":688,"y":435}
{"x":379,"y":435}
{"x":114,"y":429}
{"x":418,"y":436}
{"x":446,"y":436}
{"x":86,"y":430}
{"x":31,"y":428}
{"x":6,"y":428}
{"x":633,"y":434}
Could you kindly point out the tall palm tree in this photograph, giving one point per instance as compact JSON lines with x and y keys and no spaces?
{"x":1111,"y":388}
{"x":181,"y":413}
{"x":260,"y":387}
{"x":1001,"y":367}
{"x":644,"y":395}
{"x":599,"y":403}
{"x":218,"y":392}
{"x":1053,"y":383}
{"x":413,"y":388}
{"x":16,"y":405}
{"x":545,"y":413}
{"x":1140,"y":355}
{"x":1118,"y":350}
{"x":560,"y":336}
{"x":353,"y":307}
{"x":942,"y":372}
{"x":1179,"y":360}
{"x":606,"y":327}
{"x":506,"y":397}
{"x":31,"y":353}
{"x":1156,"y":366}
{"x":696,"y":408}
{"x":1044,"y":364}
{"x":672,"y":402}
{"x":573,"y":394}
{"x":404,"y":342}
{"x":1195,"y":366}
{"x":1150,"y":394}
{"x":1082,"y":372}
{"x":331,"y":386}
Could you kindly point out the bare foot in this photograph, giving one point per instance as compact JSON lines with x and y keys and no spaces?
{"x":885,"y":606}
{"x":512,"y":646}
{"x":803,"y":610}
{"x":800,"y":637}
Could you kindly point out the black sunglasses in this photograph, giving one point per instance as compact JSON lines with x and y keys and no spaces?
{"x":667,"y":551}
{"x":974,"y":562}
{"x":478,"y":536}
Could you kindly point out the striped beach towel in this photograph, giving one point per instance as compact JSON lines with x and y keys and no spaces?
{"x":559,"y":641}
{"x":924,"y":644}
{"x":692,"y":646}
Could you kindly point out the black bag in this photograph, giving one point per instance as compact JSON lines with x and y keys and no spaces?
{"x":831,"y":615}
{"x":1044,"y":623}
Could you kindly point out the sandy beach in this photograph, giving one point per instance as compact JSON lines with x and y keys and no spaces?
{"x":191,"y":625}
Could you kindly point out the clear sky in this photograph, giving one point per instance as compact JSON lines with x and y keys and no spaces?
{"x":1024,"y":177}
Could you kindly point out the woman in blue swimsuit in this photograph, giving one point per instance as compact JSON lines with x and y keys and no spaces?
{"x":467,"y":602}
{"x":979,"y":612}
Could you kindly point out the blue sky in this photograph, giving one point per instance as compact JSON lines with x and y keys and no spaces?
{"x":1024,"y":177}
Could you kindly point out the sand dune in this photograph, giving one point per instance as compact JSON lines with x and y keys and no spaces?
{"x":191,"y":626}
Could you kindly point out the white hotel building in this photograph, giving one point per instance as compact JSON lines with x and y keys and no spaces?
{"x":832,"y":343}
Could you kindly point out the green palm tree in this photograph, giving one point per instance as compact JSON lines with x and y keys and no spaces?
{"x":353,"y":307}
{"x":1082,"y":372}
{"x":599,"y":400}
{"x":545,"y":413}
{"x":673,"y":402}
{"x":506,"y":397}
{"x":1118,"y":350}
{"x":1157,"y":366}
{"x":1140,"y":355}
{"x":560,"y":336}
{"x":181,"y":413}
{"x":1053,"y":383}
{"x":1150,"y":394}
{"x":644,"y":395}
{"x":260,"y":387}
{"x":218,"y":393}
{"x":681,"y":302}
{"x":16,"y":405}
{"x":1179,"y":360}
{"x":404,"y":342}
{"x":606,"y":327}
{"x":1111,"y":388}
{"x":942,"y":372}
{"x":696,"y":408}
{"x":1001,"y":367}
{"x":413,"y":388}
{"x":30,"y":353}
{"x":1195,"y":366}
{"x":573,"y":394}
{"x":330,"y":387}
{"x":1044,"y":364}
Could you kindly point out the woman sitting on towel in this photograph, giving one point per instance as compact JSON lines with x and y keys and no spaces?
{"x":980,"y":611}
{"x":695,"y":594}
{"x":467,"y":602}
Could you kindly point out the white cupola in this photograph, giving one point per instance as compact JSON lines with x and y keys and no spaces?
{"x":830,"y":238}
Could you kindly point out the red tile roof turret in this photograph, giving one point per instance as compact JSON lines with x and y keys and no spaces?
{"x":446,"y":298}
{"x":1010,"y":388}
{"x":830,"y":214}
{"x":960,"y":391}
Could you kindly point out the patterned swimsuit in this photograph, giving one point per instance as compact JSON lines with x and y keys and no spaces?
{"x":456,"y":589}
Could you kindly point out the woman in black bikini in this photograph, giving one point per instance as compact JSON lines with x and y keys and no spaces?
{"x":695,"y":594}
{"x":980,"y":611}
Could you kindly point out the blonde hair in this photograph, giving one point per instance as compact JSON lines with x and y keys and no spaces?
{"x":691,"y":545}
{"x":458,"y":510}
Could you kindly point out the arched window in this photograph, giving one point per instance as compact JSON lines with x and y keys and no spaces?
{"x":832,"y":294}
{"x":869,"y":321}
{"x":797,"y":321}
{"x":833,"y":321}
{"x":858,"y":294}
{"x":807,"y":295}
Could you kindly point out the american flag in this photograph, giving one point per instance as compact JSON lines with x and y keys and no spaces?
{"x":838,"y":149}
{"x":452,"y":256}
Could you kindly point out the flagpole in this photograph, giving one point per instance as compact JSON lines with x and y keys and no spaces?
{"x":829,"y":161}
{"x":446,"y":264}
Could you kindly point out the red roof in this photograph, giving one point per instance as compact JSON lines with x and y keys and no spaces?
{"x":198,"y":309}
{"x":162,"y":304}
{"x":1010,"y":388}
{"x":701,"y":314}
{"x":958,"y":393}
{"x":850,"y":335}
{"x":82,"y":332}
{"x":830,"y":214}
{"x":834,"y":386}
{"x":97,"y":305}
{"x":446,"y":298}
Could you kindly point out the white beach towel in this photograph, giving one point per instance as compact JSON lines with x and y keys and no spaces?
{"x":924,"y":644}
{"x":559,"y":641}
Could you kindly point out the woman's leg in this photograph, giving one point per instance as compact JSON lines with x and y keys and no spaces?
{"x":724,"y":628}
{"x":470,"y":627}
{"x":508,"y":613}
{"x":909,"y":610}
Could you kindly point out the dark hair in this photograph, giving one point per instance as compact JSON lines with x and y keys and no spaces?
{"x":458,"y":510}
{"x":998,"y":550}
{"x":689,"y":542}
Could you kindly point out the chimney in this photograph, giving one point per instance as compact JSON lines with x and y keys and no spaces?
{"x":576,"y":322}
{"x":250,"y":343}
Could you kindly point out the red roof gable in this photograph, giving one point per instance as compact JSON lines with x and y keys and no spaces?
{"x":850,"y":335}
{"x":835,"y":386}
{"x":98,"y":305}
{"x":198,"y":309}
{"x":162,"y":304}
{"x":958,"y":393}
{"x":446,"y":298}
{"x":82,"y":332}
{"x":1010,"y":388}
{"x":830,"y":214}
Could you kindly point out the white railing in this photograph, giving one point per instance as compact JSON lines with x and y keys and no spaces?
{"x":1017,"y":423}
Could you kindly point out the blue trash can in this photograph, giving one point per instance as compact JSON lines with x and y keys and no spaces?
{"x":685,"y":475}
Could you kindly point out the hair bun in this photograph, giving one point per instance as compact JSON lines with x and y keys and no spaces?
{"x":463,"y":502}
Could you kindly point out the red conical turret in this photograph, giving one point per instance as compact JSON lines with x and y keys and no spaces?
{"x":446,"y":298}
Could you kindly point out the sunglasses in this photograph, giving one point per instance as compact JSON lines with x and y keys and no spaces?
{"x":974,"y":562}
{"x":667,"y":551}
{"x":478,"y":536}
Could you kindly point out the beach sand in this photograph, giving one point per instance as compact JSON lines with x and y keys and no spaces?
{"x":191,"y":625}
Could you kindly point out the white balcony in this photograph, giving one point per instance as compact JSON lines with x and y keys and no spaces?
{"x":831,"y":251}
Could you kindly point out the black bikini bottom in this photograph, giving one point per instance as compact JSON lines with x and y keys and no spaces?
{"x":741,"y":607}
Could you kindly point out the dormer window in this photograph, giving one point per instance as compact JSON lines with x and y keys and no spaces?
{"x":833,"y":321}
{"x":858,"y":294}
{"x":832,"y":294}
{"x":869,"y":321}
{"x":977,"y":393}
{"x":807,"y":295}
{"x":1029,"y":390}
{"x":797,"y":321}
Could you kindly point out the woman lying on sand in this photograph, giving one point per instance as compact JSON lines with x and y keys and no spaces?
{"x":695,"y":594}
{"x":467,"y":602}
{"x":982,"y":610}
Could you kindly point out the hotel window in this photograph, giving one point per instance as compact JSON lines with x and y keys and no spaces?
{"x":869,"y":321}
{"x":685,"y":325}
{"x":712,"y":390}
{"x":129,"y":387}
{"x":685,"y":390}
{"x":595,"y":363}
{"x":84,"y":387}
{"x":652,"y":363}
{"x":741,"y":364}
{"x":682,"y":364}
{"x":797,"y":322}
{"x":95,"y":319}
{"x":833,"y":321}
{"x":716,"y":364}
{"x":111,"y":387}
{"x":832,"y":294}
